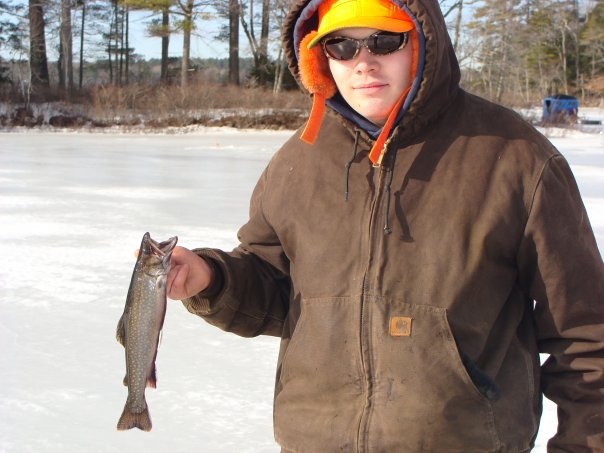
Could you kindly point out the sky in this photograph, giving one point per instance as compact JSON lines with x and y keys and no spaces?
{"x":203,"y":42}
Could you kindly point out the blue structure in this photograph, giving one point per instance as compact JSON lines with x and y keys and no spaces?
{"x":560,"y":109}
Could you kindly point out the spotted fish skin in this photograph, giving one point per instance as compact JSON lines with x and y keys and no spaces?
{"x":140,"y":326}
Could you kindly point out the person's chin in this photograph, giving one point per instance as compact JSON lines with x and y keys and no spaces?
{"x":376,"y":116}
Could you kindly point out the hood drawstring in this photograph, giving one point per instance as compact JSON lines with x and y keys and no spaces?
{"x":388,"y":167}
{"x":347,"y":165}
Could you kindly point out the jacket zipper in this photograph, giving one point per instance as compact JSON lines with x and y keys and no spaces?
{"x":364,"y":334}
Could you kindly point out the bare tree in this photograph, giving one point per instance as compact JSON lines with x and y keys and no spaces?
{"x":189,"y":11}
{"x":592,"y":38}
{"x":279,"y":12}
{"x":258,"y":46}
{"x":157,"y":28}
{"x":187,"y":26}
{"x":66,"y":48}
{"x":234,"y":13}
{"x":230,"y":12}
{"x":165,"y":42}
{"x":495,"y":25}
{"x":82,"y":32}
{"x":263,"y":48}
{"x":448,"y":9}
{"x":10,"y":35}
{"x":38,"y":62}
{"x":126,"y":51}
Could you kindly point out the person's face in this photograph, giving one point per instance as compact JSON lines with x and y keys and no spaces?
{"x":371,"y":84}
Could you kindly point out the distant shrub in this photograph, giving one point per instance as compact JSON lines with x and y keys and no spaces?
{"x":200,"y":103}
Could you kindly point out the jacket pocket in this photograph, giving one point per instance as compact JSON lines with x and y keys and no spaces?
{"x":318,"y":395}
{"x":422,"y":387}
{"x":483,"y":383}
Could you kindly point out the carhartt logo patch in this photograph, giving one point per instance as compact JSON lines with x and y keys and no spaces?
{"x":400,"y":326}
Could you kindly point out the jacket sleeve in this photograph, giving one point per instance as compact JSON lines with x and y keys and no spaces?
{"x":563,"y":270}
{"x":250,"y":292}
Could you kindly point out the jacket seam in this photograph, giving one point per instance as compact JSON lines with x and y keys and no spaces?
{"x":538,"y":182}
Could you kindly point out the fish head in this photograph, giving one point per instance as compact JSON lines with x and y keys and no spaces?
{"x":154,"y":257}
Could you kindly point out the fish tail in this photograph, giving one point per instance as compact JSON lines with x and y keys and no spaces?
{"x":129,"y":420}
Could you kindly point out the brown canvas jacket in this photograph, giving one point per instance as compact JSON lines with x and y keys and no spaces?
{"x":413,"y":310}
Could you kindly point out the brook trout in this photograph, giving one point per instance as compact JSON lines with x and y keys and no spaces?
{"x":139,"y":327}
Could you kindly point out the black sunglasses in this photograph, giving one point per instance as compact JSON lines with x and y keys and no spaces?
{"x":379,"y":43}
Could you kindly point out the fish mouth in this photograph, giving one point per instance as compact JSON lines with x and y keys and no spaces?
{"x":163,"y":248}
{"x":160,"y":250}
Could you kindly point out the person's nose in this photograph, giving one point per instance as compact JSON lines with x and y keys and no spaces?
{"x":365,"y":61}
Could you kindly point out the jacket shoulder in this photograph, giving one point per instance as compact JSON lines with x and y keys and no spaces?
{"x":489,"y":121}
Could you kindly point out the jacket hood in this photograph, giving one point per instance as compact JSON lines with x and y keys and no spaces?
{"x":436,"y":80}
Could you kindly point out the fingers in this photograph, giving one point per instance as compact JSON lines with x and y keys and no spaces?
{"x":189,"y":274}
{"x":177,"y":282}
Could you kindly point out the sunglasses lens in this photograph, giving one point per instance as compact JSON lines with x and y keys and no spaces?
{"x":385,"y":43}
{"x":380,"y":43}
{"x":340,"y":48}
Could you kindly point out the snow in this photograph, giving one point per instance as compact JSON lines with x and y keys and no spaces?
{"x":74,"y":207}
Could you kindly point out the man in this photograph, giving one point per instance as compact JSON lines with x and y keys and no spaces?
{"x":415,"y":248}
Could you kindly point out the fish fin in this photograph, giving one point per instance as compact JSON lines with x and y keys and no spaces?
{"x":120,"y":333}
{"x":152,"y":378}
{"x":126,"y":380}
{"x":129,"y":420}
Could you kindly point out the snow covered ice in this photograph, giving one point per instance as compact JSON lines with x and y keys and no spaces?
{"x":73,"y":208}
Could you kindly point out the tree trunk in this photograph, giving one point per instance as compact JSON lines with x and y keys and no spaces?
{"x":66,"y":46}
{"x":81,"y":69}
{"x":280,"y":69}
{"x":38,"y":63}
{"x":563,"y":57}
{"x":186,"y":44}
{"x":264,"y":30}
{"x":233,"y":42}
{"x":109,"y":49}
{"x":116,"y":33}
{"x":61,"y":64}
{"x":127,"y":44}
{"x":458,"y":25}
{"x":120,"y":41}
{"x":263,"y":69}
{"x":165,"y":44}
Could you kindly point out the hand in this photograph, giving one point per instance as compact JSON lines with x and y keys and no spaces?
{"x":189,"y":274}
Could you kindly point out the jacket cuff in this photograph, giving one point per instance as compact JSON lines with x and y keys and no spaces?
{"x":205,"y":301}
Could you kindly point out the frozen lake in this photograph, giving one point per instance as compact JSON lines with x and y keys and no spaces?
{"x":73,"y":208}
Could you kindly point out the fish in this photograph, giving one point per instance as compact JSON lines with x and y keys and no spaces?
{"x":140,"y":326}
